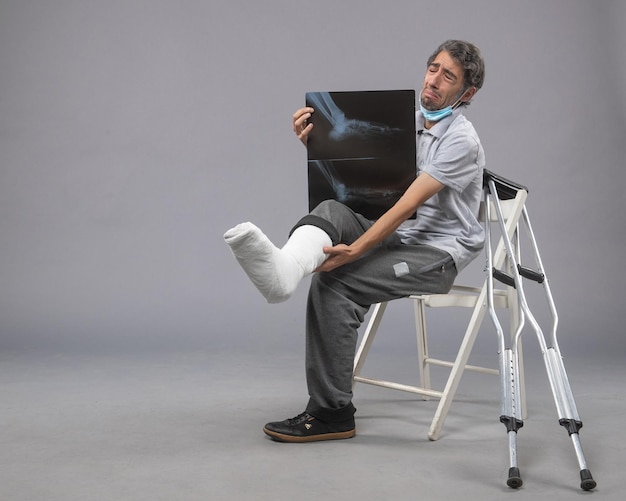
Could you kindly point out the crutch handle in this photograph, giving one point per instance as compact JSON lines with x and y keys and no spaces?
{"x":586,"y":480}
{"x":531,"y":274}
{"x":507,"y":279}
{"x":515,"y":480}
{"x":504,"y":278}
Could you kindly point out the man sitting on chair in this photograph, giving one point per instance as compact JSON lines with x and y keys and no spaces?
{"x":361,"y":262}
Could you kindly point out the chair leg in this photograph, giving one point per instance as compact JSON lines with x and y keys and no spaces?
{"x":422,"y":345}
{"x":368,"y":337}
{"x":460,"y":362}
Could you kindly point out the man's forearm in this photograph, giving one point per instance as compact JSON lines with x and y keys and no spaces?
{"x":420,"y":190}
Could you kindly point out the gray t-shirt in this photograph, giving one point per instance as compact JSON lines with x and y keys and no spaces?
{"x":450,"y":152}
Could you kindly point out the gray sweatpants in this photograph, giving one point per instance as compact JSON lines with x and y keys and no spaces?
{"x":338,"y":301}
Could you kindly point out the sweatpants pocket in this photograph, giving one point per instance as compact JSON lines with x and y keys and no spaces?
{"x":441,"y":264}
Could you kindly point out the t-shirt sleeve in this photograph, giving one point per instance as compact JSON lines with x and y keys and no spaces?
{"x":455,"y":162}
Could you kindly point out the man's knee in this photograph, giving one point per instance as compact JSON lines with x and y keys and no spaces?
{"x":327,"y":208}
{"x":323,"y":224}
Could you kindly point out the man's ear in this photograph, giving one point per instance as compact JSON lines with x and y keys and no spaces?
{"x":468,"y":94}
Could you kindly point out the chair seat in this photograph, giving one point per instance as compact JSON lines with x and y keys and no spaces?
{"x":461,"y":296}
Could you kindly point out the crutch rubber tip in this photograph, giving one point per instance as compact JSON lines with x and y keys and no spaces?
{"x":515,"y":480}
{"x":587,"y":482}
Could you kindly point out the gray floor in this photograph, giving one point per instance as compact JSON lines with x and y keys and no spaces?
{"x":188,"y":426}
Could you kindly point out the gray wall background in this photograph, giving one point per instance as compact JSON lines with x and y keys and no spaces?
{"x":133,"y":133}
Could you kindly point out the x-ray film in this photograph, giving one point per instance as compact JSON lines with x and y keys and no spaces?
{"x":361,"y":151}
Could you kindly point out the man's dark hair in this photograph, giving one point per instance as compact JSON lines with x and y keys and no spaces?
{"x":469,"y":57}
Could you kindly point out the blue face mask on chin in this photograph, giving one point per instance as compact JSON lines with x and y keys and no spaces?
{"x":436,"y":115}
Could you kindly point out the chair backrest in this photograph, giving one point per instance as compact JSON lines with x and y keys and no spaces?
{"x":507,"y":206}
{"x":506,"y":188}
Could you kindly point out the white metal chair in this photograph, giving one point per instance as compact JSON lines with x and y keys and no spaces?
{"x":474,"y":298}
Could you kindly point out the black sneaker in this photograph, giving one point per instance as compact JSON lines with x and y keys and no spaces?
{"x":306,"y":428}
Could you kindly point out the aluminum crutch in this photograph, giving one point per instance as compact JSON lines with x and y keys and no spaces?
{"x":510,"y":401}
{"x":509,"y":359}
{"x":559,"y":383}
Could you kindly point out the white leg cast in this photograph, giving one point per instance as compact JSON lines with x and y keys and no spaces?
{"x":277,"y":272}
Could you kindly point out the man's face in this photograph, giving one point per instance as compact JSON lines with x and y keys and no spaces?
{"x":442,"y":83}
